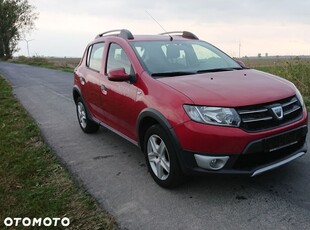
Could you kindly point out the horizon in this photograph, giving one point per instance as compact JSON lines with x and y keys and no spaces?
{"x":303,"y":56}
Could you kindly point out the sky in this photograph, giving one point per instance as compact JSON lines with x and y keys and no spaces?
{"x":276,"y":27}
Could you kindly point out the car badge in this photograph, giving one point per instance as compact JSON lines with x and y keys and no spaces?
{"x":278,"y":112}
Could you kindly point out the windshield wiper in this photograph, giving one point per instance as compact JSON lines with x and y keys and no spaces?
{"x":172,"y":74}
{"x":218,"y":70}
{"x":180,"y":73}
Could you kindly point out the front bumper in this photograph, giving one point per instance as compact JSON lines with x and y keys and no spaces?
{"x":205,"y":138}
{"x":259,"y":155}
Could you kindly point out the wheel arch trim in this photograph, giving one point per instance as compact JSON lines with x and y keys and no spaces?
{"x":78,"y":91}
{"x":160,"y":119}
{"x":164,"y":123}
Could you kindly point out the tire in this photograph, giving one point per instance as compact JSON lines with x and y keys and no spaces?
{"x":161,"y":158}
{"x":86,"y":124}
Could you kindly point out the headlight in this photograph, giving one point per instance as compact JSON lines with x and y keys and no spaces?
{"x":213,"y":115}
{"x":298,"y":95}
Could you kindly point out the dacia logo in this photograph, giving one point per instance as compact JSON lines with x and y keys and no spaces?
{"x":278,"y":112}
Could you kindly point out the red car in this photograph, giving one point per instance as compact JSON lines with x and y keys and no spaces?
{"x":188,"y":106}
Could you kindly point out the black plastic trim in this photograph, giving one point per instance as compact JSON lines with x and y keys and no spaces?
{"x":76,"y":89}
{"x":160,"y":119}
{"x":90,"y":116}
{"x":258,"y":145}
{"x":190,"y":166}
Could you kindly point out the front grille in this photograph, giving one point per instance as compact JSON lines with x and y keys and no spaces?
{"x":261,"y":117}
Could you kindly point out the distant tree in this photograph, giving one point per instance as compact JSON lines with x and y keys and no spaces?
{"x":16,"y":19}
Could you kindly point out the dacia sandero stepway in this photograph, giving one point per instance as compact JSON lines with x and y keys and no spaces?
{"x":188,"y":106}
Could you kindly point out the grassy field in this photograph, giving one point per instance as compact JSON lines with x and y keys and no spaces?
{"x":64,"y":64}
{"x":32,"y":182}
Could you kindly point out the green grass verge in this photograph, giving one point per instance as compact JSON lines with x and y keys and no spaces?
{"x":32,"y":182}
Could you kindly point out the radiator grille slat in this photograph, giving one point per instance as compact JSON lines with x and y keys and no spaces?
{"x":261,"y":117}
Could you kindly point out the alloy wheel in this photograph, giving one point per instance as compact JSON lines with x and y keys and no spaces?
{"x":158,"y":157}
{"x":82,"y":115}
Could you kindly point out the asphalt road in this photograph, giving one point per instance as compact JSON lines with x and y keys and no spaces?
{"x":114,"y":171}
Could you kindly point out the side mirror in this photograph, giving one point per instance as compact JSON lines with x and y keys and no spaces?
{"x":241,"y":63}
{"x":118,"y":75}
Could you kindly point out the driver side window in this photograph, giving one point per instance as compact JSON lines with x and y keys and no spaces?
{"x":117,"y":58}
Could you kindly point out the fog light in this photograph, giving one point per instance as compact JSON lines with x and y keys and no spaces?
{"x":213,"y":163}
{"x":217,"y":164}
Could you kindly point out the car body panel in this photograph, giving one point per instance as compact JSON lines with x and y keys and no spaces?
{"x":231,"y":88}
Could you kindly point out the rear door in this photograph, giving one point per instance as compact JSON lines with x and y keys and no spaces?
{"x":90,"y":79}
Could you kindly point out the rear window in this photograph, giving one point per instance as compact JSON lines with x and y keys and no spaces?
{"x":94,"y":56}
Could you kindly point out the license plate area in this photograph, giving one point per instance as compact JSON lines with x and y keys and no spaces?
{"x":284,"y":140}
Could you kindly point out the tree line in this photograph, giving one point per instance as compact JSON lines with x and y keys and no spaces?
{"x":17,"y":18}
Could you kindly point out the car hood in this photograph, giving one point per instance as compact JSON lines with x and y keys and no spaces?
{"x":231,"y":88}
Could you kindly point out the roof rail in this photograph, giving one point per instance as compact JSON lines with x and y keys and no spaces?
{"x":122,"y":33}
{"x":184,"y":34}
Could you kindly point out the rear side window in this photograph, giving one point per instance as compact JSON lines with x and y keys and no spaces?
{"x":94,"y":56}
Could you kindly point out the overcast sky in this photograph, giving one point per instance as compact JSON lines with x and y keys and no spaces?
{"x":276,"y":27}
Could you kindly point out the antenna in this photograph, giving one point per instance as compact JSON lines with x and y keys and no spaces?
{"x":239,"y":48}
{"x":171,"y":38}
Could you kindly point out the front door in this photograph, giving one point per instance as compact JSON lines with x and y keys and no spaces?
{"x":120,"y":98}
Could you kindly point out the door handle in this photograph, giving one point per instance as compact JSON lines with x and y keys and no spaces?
{"x":104,"y":90}
{"x":82,"y":80}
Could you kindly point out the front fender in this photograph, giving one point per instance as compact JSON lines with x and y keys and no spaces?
{"x":149,"y":117}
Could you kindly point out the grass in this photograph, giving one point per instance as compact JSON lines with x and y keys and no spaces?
{"x":64,"y":64}
{"x":32,"y":182}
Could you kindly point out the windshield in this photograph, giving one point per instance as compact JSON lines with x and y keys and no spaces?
{"x":175,"y":58}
